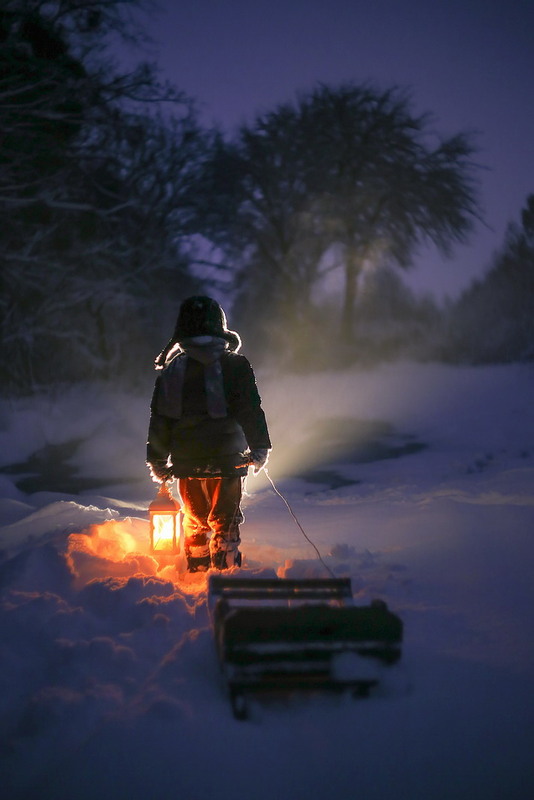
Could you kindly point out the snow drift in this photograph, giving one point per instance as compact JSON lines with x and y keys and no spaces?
{"x":415,"y":481}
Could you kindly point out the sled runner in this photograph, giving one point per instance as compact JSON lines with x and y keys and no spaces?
{"x":284,"y":635}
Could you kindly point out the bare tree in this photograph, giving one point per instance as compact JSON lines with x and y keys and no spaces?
{"x":96,"y":191}
{"x":350,"y":172}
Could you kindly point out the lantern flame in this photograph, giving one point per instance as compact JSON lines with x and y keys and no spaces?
{"x":164,"y":512}
{"x":163,"y":537}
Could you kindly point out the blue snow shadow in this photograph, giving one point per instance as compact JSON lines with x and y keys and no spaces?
{"x":53,"y":468}
{"x":347,"y":440}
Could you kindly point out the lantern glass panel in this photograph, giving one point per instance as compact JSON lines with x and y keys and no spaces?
{"x":163,"y":533}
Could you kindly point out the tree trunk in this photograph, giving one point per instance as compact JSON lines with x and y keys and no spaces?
{"x":352,"y":269}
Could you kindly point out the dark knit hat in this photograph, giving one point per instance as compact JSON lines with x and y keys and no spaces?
{"x":203,"y":316}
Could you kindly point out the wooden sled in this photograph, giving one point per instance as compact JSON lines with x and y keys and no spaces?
{"x":292,"y":635}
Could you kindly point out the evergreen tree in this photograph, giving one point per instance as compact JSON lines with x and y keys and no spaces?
{"x":493,"y":320}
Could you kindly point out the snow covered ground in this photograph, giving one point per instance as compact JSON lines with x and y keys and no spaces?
{"x":414,"y":480}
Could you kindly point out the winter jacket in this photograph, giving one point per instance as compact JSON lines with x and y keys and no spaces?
{"x":205,"y":412}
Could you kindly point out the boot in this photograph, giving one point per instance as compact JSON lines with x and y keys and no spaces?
{"x":224,"y":559}
{"x":201,"y":564}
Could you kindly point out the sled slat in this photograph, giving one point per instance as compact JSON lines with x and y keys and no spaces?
{"x":280,"y":589}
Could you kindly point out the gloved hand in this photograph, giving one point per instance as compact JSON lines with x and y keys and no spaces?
{"x":259,"y":458}
{"x":160,"y":473}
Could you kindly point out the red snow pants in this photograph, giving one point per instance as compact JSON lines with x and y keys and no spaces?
{"x":211,"y":510}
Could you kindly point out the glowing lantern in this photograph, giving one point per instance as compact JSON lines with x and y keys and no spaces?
{"x":164,"y":511}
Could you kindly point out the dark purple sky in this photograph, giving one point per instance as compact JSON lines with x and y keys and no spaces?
{"x":469,"y":62}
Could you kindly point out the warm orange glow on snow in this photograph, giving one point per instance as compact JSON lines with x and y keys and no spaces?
{"x":111,"y":540}
{"x":112,"y":549}
{"x":121,"y":549}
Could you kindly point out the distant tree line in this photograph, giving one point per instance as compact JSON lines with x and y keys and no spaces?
{"x":493,"y":320}
{"x":97,"y":169}
{"x":117,"y":204}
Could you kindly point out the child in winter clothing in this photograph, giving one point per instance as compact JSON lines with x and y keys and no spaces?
{"x":206,"y":424}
